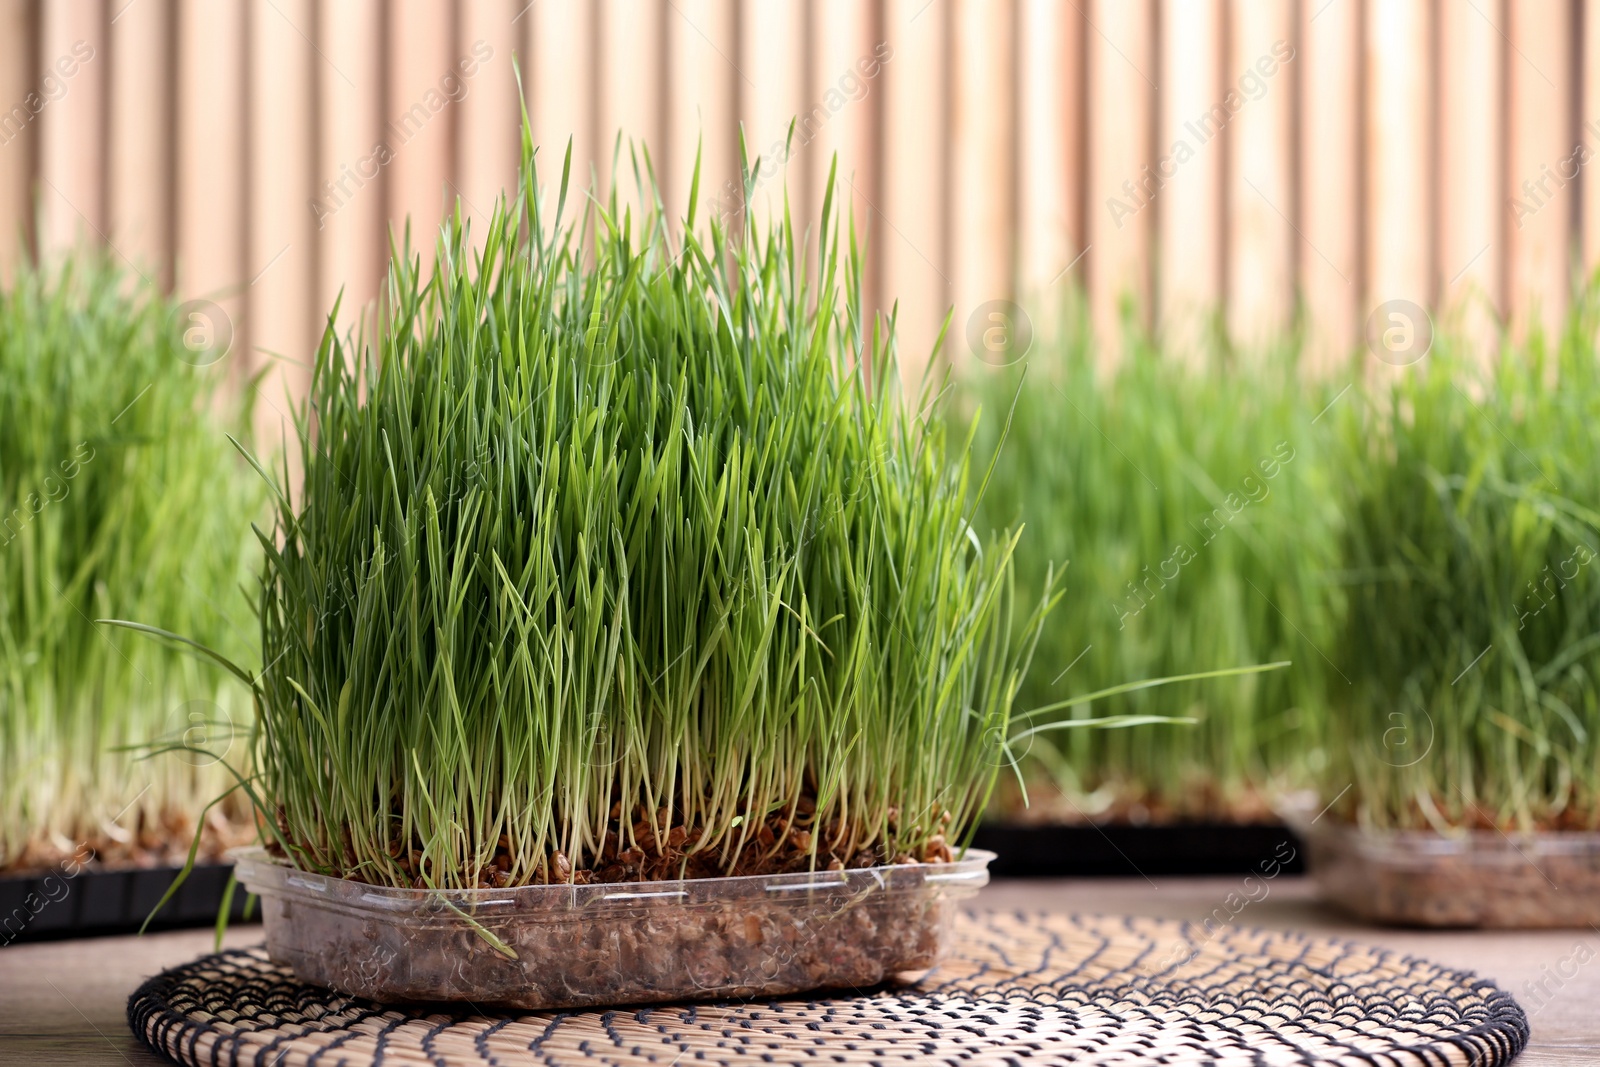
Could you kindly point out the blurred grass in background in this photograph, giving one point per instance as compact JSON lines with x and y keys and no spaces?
{"x":119,"y":495}
{"x":1420,"y":541}
{"x":1191,"y":502}
{"x":1471,"y":507}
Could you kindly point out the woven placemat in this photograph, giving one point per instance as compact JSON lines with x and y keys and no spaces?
{"x":1035,"y":988}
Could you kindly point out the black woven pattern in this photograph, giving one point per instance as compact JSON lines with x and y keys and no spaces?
{"x":1041,"y":989}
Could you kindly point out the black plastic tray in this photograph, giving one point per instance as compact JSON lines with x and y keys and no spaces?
{"x":1120,"y":850}
{"x":94,"y":902}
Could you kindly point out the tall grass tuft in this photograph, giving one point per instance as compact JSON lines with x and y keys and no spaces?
{"x":617,"y":549}
{"x":115,"y":498}
{"x":1190,"y":506}
{"x":1471,"y":558}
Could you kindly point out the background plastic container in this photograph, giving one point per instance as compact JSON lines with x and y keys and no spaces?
{"x":564,"y":946}
{"x":1482,"y":878}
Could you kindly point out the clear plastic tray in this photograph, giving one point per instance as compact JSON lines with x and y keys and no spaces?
{"x":563,"y":946}
{"x":1481,"y":878}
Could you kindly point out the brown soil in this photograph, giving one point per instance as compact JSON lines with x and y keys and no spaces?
{"x":150,"y":845}
{"x":784,"y":843}
{"x":1414,"y":817}
{"x":1131,"y":804}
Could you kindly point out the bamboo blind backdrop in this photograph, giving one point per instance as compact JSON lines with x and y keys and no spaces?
{"x":1268,"y":158}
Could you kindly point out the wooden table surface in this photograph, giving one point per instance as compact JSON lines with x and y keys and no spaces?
{"x":63,"y":1002}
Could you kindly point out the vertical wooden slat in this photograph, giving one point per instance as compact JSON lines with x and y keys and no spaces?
{"x":1471,"y":145}
{"x":1398,"y":117}
{"x":140,"y":170}
{"x":1050,"y":185}
{"x":1329,"y":253}
{"x":18,"y":130}
{"x":210,"y":208}
{"x":959,"y":95}
{"x":1260,"y":194}
{"x":281,"y":253}
{"x":1589,"y":135}
{"x":630,"y":92}
{"x":981,"y":133}
{"x":488,"y":133}
{"x":1192,"y":145}
{"x":1121,"y":104}
{"x":847,"y":76}
{"x":909,"y":213}
{"x":703,"y":80}
{"x":561,"y":89}
{"x":72,"y":63}
{"x":348,"y":199}
{"x":772,"y":35}
{"x":420,"y":121}
{"x":1539,"y":75}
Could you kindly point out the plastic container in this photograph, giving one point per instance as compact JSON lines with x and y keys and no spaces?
{"x":1482,"y":878}
{"x":565,"y":946}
